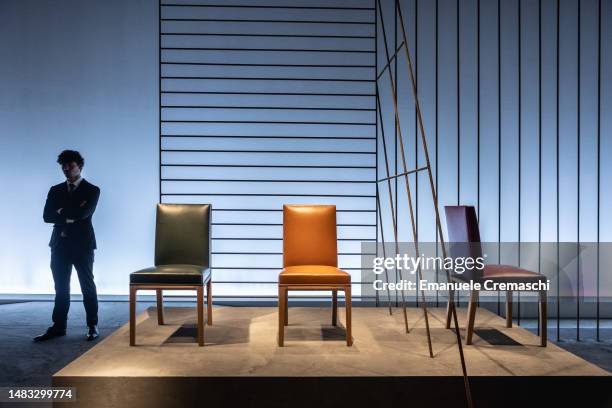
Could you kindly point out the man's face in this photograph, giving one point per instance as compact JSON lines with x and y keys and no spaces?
{"x":71,"y":170}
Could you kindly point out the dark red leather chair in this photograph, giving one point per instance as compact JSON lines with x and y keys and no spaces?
{"x":464,"y":240}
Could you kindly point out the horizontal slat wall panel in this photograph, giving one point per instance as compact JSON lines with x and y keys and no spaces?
{"x":264,"y":101}
{"x":365,"y":146}
{"x":308,"y":4}
{"x":271,"y":202}
{"x":263,"y":105}
{"x":245,"y":28}
{"x":234,"y":173}
{"x":263,"y":129}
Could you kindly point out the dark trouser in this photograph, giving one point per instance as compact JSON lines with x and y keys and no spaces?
{"x":62,"y":260}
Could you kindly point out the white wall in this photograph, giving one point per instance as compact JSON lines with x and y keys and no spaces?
{"x":79,"y":75}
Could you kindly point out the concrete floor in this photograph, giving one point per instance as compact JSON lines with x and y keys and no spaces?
{"x":24,"y":363}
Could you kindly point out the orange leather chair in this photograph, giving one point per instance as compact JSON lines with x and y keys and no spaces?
{"x":310,"y":261}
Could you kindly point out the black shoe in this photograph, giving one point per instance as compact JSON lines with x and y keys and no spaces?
{"x":51,"y":332}
{"x":92,"y":333}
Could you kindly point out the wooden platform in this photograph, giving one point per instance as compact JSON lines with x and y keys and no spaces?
{"x":241,"y":364}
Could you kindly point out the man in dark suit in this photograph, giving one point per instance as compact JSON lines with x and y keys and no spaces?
{"x":69,"y":207}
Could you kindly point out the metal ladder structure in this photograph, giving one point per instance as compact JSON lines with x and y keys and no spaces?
{"x":451,"y":309}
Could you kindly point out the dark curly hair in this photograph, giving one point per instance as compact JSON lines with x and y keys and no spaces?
{"x":68,"y":156}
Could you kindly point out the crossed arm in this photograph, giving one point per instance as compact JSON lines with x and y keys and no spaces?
{"x":55,"y":215}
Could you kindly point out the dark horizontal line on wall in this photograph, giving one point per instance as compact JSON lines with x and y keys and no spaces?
{"x":270,"y":181}
{"x":268,"y":195}
{"x":266,"y":65}
{"x":369,"y":37}
{"x":266,"y":93}
{"x":268,"y":6}
{"x":274,"y":122}
{"x":223,"y":20}
{"x":280,"y":239}
{"x":280,"y":253}
{"x":278,"y":210}
{"x":272,"y":137}
{"x":268,"y":79}
{"x":263,"y":107}
{"x":280,"y":224}
{"x":270,"y":166}
{"x":266,"y":50}
{"x":261,"y":151}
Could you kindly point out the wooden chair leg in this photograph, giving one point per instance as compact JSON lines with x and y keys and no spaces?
{"x":132,"y":316}
{"x":282,"y":293}
{"x":509,"y":308}
{"x":349,"y":325}
{"x":543,"y":319}
{"x":209,"y":308}
{"x":200,"y":306}
{"x":160,"y":307}
{"x":334,"y":307}
{"x":448,"y":310}
{"x":472,"y":305}
{"x":286,"y":319}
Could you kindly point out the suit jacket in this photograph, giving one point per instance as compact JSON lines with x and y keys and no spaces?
{"x":78,"y":206}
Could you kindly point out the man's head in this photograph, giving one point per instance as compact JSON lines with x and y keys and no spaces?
{"x":72,"y":163}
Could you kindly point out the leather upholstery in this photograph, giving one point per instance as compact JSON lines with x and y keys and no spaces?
{"x":509,"y":273}
{"x":314,"y":274}
{"x":172,"y":274}
{"x":182,"y":234}
{"x":182,"y":246}
{"x":464,"y":237}
{"x":464,"y":240}
{"x":309,"y":235}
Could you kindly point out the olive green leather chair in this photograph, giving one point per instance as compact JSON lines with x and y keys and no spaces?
{"x":182,"y":261}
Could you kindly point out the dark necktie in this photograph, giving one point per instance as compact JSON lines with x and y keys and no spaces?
{"x":71,"y":188}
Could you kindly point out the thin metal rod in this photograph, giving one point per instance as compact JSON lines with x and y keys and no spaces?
{"x":263,"y":107}
{"x":435,"y":201}
{"x":598,"y":156}
{"x":405,"y":166}
{"x":384,"y":251}
{"x":578,"y":135}
{"x":520,"y":137}
{"x":398,"y":137}
{"x":391,"y":205}
{"x":368,"y":37}
{"x":403,"y":173}
{"x":268,"y":6}
{"x":238,"y":64}
{"x":378,"y":208}
{"x":268,"y":49}
{"x":227,"y":20}
{"x":393,"y":57}
{"x":558,"y":163}
{"x":265,"y":93}
{"x":160,"y":100}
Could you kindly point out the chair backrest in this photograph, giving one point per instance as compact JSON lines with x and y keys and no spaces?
{"x":463,"y":235}
{"x":182,"y":234}
{"x":309,"y":235}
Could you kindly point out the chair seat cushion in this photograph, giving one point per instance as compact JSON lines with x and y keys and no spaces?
{"x":175,"y":274}
{"x":500,"y":273}
{"x":313,"y":275}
